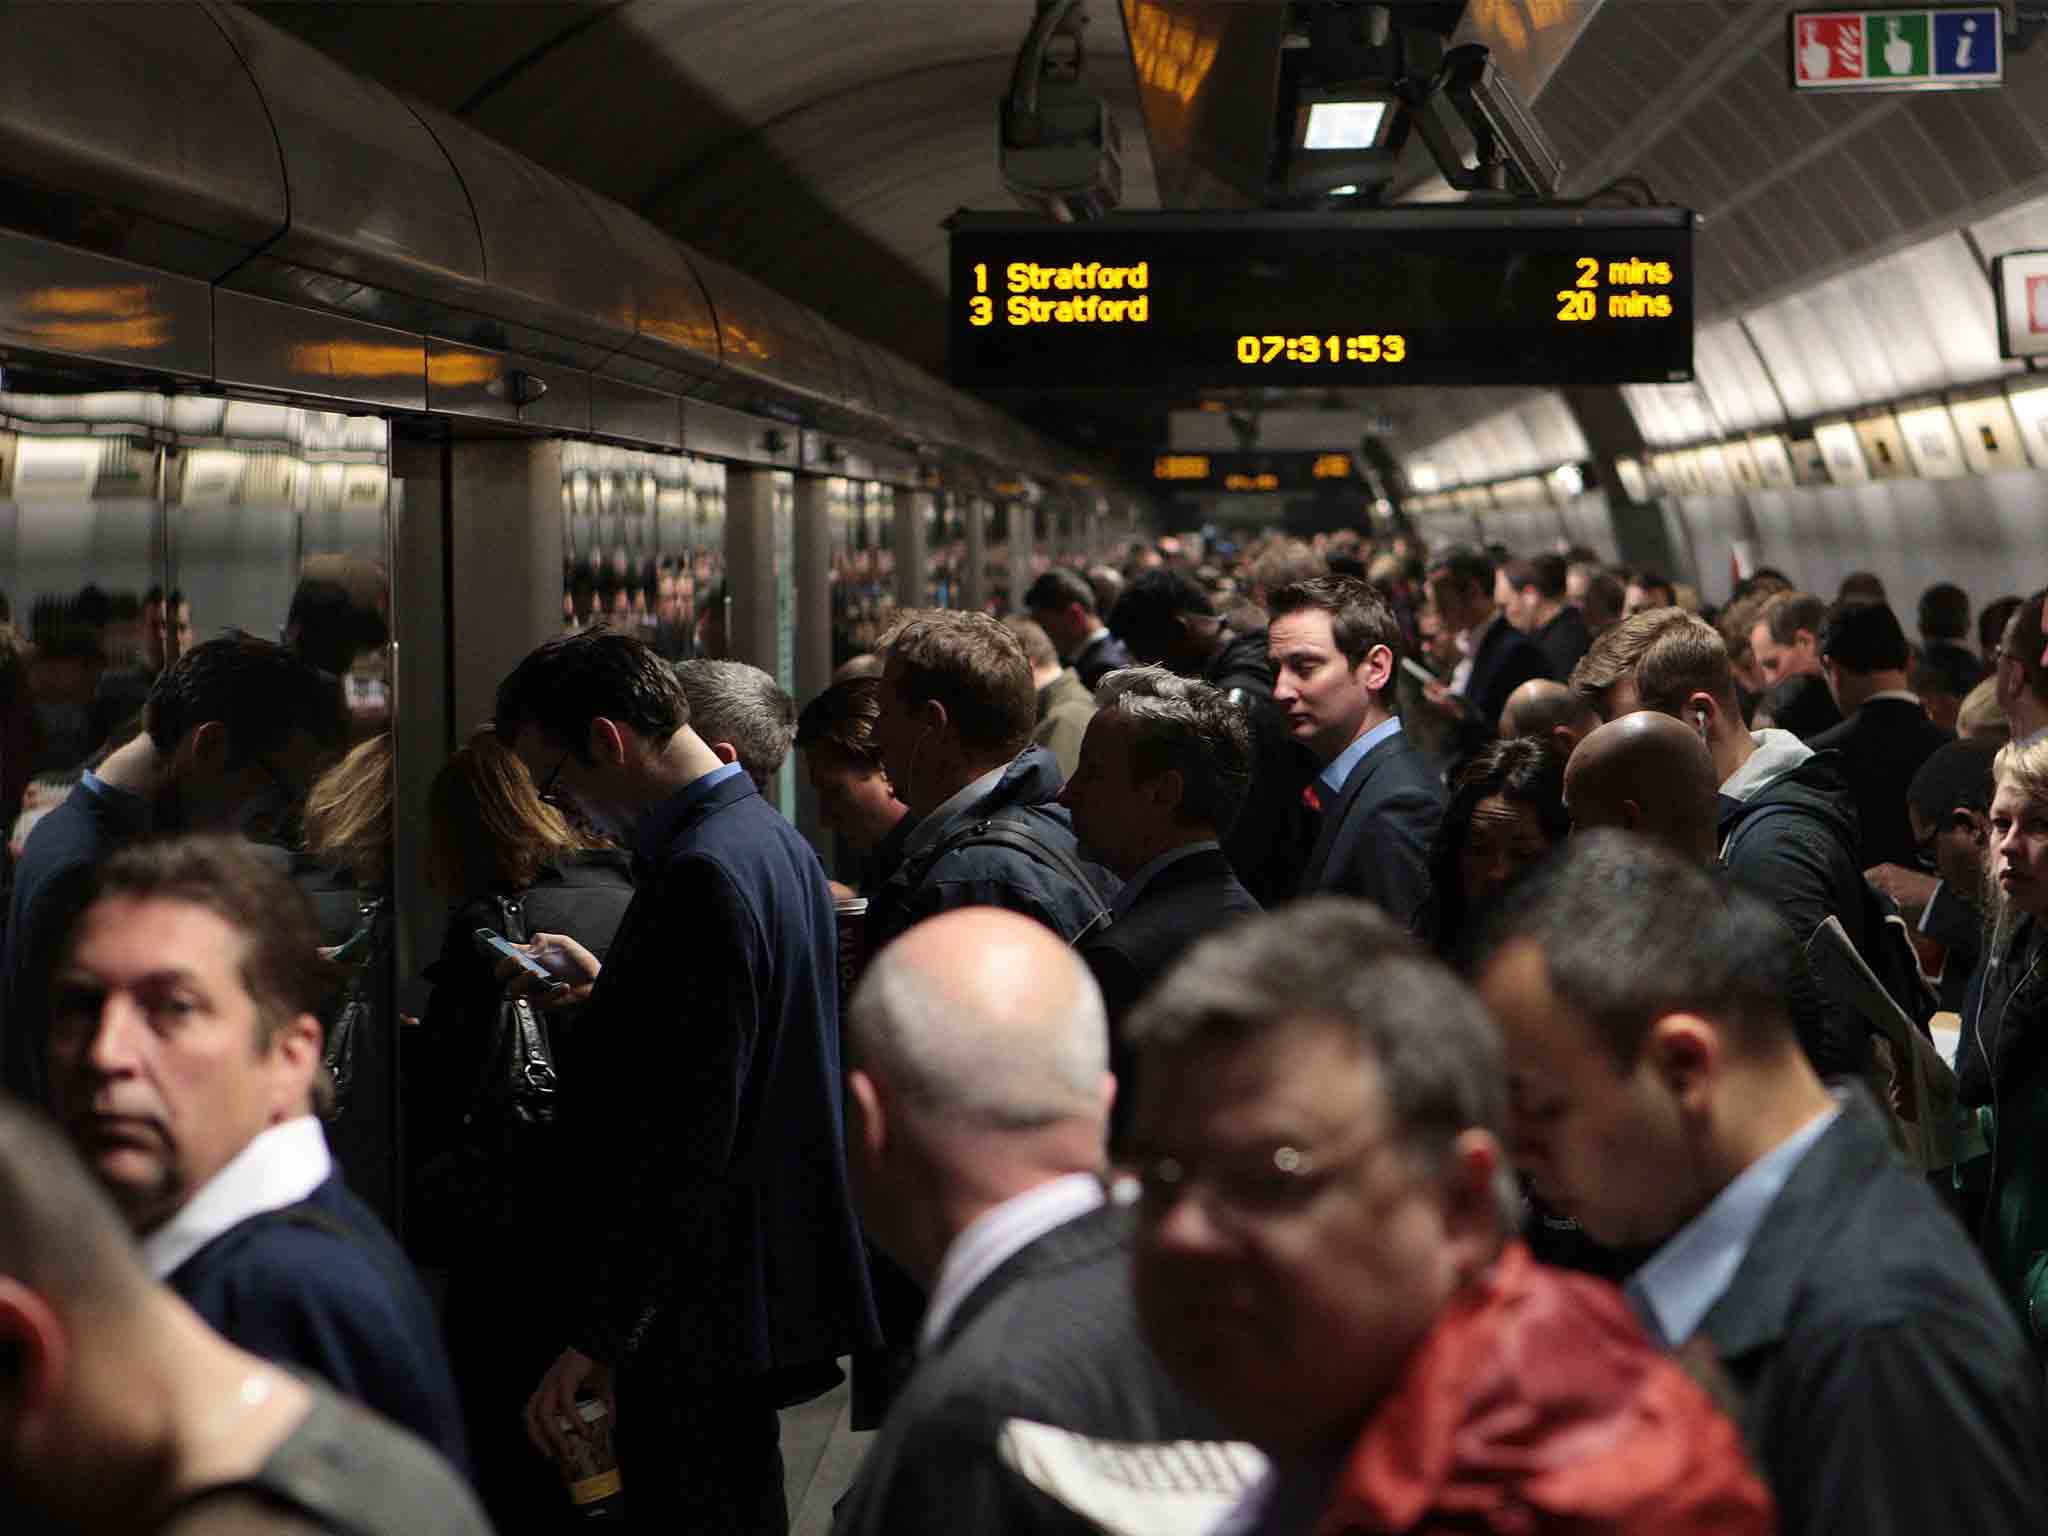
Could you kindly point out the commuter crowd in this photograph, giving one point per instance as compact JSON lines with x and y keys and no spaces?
{"x":1316,"y":1037}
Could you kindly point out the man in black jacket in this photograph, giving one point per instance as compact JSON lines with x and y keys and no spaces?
{"x":1163,"y":771}
{"x":957,"y":712}
{"x":720,"y":1270}
{"x":1531,"y":593}
{"x":980,"y":1090}
{"x":1498,"y":658}
{"x":1063,"y":604}
{"x":1885,"y":734}
{"x":1659,"y":1096}
{"x":233,"y":734}
{"x":1335,"y":646}
{"x":1167,"y":620}
{"x":185,"y":1066}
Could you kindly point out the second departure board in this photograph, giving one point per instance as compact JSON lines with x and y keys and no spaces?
{"x":1375,"y":299}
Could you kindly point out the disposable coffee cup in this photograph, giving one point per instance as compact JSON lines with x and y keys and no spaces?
{"x":851,"y":914}
{"x":590,"y":1468}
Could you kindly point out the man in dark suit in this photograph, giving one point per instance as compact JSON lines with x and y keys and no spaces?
{"x":233,"y":733}
{"x":1498,"y":658}
{"x":1163,"y":772}
{"x":980,"y":1089}
{"x":1335,"y":646}
{"x":185,"y":1066}
{"x":1885,"y":734}
{"x":719,"y":1262}
{"x":1063,"y":604}
{"x":1661,"y":1097}
{"x":1531,"y":593}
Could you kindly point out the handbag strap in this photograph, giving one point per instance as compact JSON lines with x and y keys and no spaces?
{"x":512,"y":914}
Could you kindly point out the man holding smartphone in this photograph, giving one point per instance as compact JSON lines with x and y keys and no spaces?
{"x":723,"y":1267}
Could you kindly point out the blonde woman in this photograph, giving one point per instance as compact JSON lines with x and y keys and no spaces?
{"x":2003,"y":1060}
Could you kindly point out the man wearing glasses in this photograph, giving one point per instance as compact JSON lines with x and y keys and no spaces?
{"x":1326,"y":1257}
{"x":233,"y":733}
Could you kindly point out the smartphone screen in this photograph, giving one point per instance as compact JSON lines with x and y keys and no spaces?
{"x":492,"y":943}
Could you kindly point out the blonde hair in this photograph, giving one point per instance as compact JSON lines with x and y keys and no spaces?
{"x":348,"y":813}
{"x":2025,"y":766}
{"x":486,"y":822}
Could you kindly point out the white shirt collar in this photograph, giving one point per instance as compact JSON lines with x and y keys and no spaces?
{"x":1682,"y":1280}
{"x":1127,"y":894}
{"x":279,"y":1167}
{"x":995,"y":1235}
{"x":1904,"y":695}
{"x":1776,"y":752}
{"x":928,"y":830}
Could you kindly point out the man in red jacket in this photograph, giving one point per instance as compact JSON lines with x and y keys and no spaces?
{"x":1325,"y":1256}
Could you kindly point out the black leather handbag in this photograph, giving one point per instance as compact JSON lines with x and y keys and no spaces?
{"x":518,"y":1088}
{"x":345,"y":1035}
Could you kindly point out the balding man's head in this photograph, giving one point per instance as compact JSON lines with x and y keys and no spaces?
{"x":979,"y":1052}
{"x":1646,"y":773}
{"x":1550,"y":710}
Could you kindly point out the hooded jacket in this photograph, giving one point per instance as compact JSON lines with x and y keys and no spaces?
{"x":1788,"y":837}
{"x":1269,"y":842}
{"x":978,"y":873}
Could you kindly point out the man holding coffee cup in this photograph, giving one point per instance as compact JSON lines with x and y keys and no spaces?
{"x":723,"y":1269}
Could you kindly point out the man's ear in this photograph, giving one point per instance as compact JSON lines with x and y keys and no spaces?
{"x":1472,"y":1215}
{"x":871,"y":1127}
{"x":1683,"y":1051}
{"x":1631,"y":815}
{"x":724,"y":751}
{"x":1166,"y":789}
{"x":297,"y":1047}
{"x":207,"y":744}
{"x":35,"y":1355}
{"x":1377,"y":670}
{"x":605,"y":742}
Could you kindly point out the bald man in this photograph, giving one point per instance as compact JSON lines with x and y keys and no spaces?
{"x":980,"y":1084}
{"x":1646,"y":773}
{"x":1543,"y":707}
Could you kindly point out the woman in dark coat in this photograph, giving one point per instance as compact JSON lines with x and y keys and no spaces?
{"x":484,"y":1193}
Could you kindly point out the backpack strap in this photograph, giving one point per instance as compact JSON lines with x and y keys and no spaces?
{"x":1010,"y":832}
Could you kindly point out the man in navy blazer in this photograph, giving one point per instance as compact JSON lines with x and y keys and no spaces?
{"x":185,"y":1065}
{"x":1163,"y":772}
{"x":1498,"y":658}
{"x":718,"y":1262}
{"x":1335,"y":645}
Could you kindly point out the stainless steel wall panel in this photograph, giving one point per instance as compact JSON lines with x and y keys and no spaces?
{"x":266,"y":345}
{"x":720,"y":432}
{"x":670,"y":327}
{"x":136,"y":131}
{"x":379,"y":218}
{"x":475,"y":382}
{"x":618,"y":409}
{"x":765,"y":338}
{"x":78,"y":304}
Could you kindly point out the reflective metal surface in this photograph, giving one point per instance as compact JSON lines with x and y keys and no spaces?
{"x":266,"y":345}
{"x":619,"y":409}
{"x":71,"y":302}
{"x":724,"y":433}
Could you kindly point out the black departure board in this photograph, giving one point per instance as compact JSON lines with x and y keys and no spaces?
{"x":1374,"y":299}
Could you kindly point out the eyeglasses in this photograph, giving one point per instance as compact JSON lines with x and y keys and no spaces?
{"x":547,"y":788}
{"x":1273,"y":1183}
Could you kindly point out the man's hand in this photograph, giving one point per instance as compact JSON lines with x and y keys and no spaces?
{"x":1443,"y":700}
{"x":573,"y":967}
{"x":553,"y":1403}
{"x":1912,"y":889}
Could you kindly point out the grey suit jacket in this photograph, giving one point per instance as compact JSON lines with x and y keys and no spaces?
{"x":1050,"y":1337}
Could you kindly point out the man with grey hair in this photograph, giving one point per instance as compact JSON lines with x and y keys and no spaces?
{"x":742,"y":714}
{"x":1326,"y":1257}
{"x":980,"y":1089}
{"x":1164,"y":771}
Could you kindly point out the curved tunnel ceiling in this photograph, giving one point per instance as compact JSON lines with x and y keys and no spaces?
{"x":818,"y":143}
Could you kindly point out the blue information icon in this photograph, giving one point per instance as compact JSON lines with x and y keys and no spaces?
{"x":1966,"y":42}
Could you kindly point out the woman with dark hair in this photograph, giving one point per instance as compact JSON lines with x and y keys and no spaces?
{"x":486,"y":1166}
{"x":1506,"y":812}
